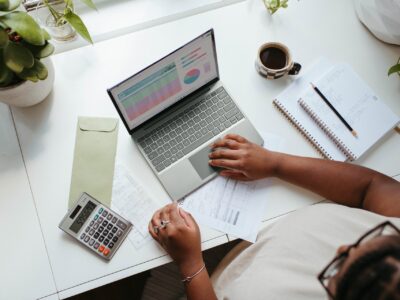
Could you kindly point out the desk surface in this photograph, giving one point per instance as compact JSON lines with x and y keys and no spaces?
{"x":47,"y":131}
{"x":23,"y":257}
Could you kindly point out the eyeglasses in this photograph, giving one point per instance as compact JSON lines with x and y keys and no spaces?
{"x":332,"y":269}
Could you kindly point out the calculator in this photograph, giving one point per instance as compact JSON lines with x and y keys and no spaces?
{"x":96,"y":226}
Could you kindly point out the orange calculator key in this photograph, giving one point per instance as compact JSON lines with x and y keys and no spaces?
{"x":106,"y":252}
{"x":101,"y":248}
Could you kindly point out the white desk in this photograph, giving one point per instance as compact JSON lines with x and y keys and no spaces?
{"x":47,"y":131}
{"x":23,"y":260}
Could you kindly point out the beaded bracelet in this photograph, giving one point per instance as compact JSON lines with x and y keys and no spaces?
{"x":189,"y":278}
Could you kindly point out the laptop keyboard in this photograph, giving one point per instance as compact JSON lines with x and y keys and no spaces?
{"x":190,"y":129}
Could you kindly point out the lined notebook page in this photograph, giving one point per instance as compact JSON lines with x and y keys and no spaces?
{"x":357,"y":104}
{"x":287,"y":102}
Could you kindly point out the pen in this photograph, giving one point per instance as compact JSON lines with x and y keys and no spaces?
{"x":353,"y":132}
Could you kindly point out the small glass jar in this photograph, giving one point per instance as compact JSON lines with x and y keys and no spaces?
{"x":63,"y":32}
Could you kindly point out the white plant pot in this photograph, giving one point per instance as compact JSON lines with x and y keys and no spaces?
{"x":381,"y":17}
{"x":28,"y":93}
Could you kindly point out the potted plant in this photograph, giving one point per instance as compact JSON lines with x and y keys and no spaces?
{"x":26,"y":74}
{"x":62,"y":20}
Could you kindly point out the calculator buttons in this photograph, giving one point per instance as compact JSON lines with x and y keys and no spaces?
{"x":101,"y":228}
{"x":109,"y":217}
{"x":91,"y":242}
{"x":106,"y":241}
{"x":101,"y":238}
{"x":91,"y":223}
{"x":114,"y":229}
{"x":96,"y":245}
{"x":109,"y":226}
{"x":83,"y":236}
{"x":106,"y":252}
{"x":91,"y":232}
{"x":101,"y":249}
{"x":105,"y":223}
{"x":110,"y":245}
{"x":87,"y":229}
{"x":96,"y":217}
{"x":121,"y":225}
{"x":87,"y":238}
{"x":115,"y":239}
{"x":104,"y":214}
{"x":105,"y":232}
{"x":119,"y":233}
{"x":110,"y":235}
{"x":96,"y":235}
{"x":96,"y":226}
{"x":101,"y":210}
{"x":101,"y":219}
{"x":114,"y":220}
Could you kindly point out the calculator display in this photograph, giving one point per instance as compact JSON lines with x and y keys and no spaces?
{"x":80,"y":220}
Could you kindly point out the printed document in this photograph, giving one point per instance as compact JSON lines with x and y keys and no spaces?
{"x":131,"y":201}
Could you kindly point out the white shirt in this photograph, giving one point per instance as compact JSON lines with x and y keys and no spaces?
{"x":286,"y":259}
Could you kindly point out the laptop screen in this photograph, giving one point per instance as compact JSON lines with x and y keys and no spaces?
{"x":167,"y":81}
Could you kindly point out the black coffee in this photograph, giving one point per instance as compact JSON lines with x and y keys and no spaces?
{"x":273,"y":58}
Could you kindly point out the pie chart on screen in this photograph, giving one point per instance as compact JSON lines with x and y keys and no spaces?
{"x":191,"y":76}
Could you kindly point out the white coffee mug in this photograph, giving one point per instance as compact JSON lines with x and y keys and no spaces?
{"x":274,"y":61}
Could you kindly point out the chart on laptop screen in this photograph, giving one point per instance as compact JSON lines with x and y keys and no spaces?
{"x":161,"y":85}
{"x":151,"y":91}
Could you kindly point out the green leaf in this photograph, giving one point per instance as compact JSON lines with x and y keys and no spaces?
{"x":17,"y":57}
{"x":78,"y":25}
{"x":40,"y":69}
{"x":28,"y":74}
{"x":3,"y":38}
{"x":6,"y":76}
{"x":90,"y":4}
{"x":37,"y":72}
{"x":25,"y":26}
{"x":394,"y":69}
{"x":41,"y":51}
{"x":9,"y":5}
{"x":4,"y":4}
{"x":46,"y":35}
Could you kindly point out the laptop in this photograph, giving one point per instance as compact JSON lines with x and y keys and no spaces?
{"x":175,"y":108}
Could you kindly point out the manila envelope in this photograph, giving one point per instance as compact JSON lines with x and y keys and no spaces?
{"x":94,"y":159}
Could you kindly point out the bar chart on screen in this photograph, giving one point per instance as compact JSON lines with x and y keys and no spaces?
{"x":151,"y":91}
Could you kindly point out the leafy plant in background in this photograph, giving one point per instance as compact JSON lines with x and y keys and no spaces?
{"x":274,"y":5}
{"x":67,"y":15}
{"x":395,"y":68}
{"x":22,"y":44}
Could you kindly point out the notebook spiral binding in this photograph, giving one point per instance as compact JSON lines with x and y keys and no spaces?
{"x":339,"y":143}
{"x":302,"y":130}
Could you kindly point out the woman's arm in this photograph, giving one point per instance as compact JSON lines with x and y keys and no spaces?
{"x":181,"y":239}
{"x":343,"y":183}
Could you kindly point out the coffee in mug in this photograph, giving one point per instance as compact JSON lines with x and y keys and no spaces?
{"x":274,"y":61}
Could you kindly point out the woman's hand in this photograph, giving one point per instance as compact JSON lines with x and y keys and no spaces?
{"x":180,"y":237}
{"x":242,"y":159}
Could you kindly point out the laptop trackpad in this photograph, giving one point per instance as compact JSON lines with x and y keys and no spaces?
{"x":200,"y":160}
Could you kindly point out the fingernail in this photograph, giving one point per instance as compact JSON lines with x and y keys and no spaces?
{"x":210,"y":162}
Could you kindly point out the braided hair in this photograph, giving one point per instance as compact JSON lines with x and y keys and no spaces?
{"x":374,"y":276}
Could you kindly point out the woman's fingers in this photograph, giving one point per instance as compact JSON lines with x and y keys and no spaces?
{"x":236,"y":137}
{"x":224,"y":153}
{"x":226,"y":163}
{"x":152,"y":232}
{"x":155,"y":220}
{"x":226,"y":143}
{"x":188,"y":218}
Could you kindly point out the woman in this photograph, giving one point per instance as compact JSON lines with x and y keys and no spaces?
{"x":288,"y":256}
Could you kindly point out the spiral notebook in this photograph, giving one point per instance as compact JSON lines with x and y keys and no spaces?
{"x":350,"y":96}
